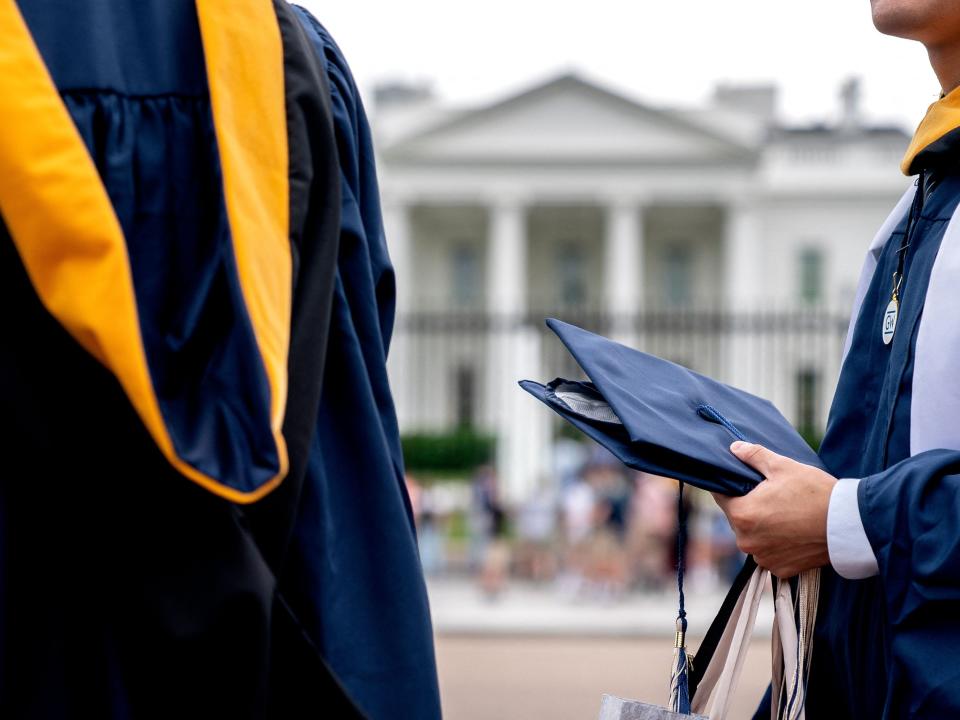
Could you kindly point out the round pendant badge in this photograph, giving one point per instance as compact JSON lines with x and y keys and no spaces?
{"x":889,"y":321}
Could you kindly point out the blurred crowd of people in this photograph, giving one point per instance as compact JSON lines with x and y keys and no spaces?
{"x":595,"y":529}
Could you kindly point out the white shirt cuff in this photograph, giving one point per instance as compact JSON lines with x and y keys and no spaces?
{"x":847,"y":543}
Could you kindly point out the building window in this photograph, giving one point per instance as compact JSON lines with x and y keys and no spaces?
{"x":678,"y":274}
{"x":465,"y":396}
{"x":465,"y":276}
{"x":811,"y":275}
{"x":571,"y":275}
{"x":808,"y":390}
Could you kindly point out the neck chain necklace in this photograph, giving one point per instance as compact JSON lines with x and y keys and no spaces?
{"x":889,"y":323}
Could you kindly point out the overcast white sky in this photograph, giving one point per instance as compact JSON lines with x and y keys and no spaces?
{"x":667,"y":52}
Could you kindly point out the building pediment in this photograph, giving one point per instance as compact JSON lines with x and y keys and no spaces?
{"x":568,"y":120}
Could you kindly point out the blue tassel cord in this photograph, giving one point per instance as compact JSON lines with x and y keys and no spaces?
{"x":679,"y":685}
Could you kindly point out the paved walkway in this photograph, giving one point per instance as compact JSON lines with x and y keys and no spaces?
{"x":563,"y":678}
{"x":459,"y":608}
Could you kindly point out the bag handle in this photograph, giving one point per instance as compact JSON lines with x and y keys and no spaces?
{"x":728,"y":640}
{"x":722,"y":673}
{"x":709,"y":644}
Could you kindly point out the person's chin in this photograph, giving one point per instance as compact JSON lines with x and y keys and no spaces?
{"x":899,"y":18}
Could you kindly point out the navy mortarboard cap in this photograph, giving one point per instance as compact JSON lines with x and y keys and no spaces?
{"x":659,"y":417}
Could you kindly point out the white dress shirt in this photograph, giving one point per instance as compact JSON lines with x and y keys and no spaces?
{"x":850,"y":551}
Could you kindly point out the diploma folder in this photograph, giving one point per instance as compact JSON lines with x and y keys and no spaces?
{"x":662,"y":418}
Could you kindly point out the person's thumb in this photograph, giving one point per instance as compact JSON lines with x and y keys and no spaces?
{"x":756,"y":456}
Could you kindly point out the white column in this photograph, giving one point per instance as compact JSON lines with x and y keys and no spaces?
{"x":507,"y":260}
{"x":742,"y":261}
{"x":523,"y":429}
{"x":506,"y":272}
{"x":623,"y":267}
{"x":513,"y":354}
{"x":396,"y":222}
{"x":743,"y":285}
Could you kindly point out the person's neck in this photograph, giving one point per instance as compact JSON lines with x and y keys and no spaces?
{"x":945,"y":60}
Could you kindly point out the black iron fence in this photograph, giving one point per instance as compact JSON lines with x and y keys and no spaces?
{"x":456,"y":363}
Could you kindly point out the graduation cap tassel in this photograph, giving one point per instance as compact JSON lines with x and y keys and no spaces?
{"x":679,"y":687}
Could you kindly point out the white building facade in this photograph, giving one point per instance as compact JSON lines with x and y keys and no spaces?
{"x":714,"y":237}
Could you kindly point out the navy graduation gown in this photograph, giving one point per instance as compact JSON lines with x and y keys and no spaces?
{"x":884,"y":647}
{"x":361,"y":595}
{"x":125,"y":589}
{"x":889,"y":646}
